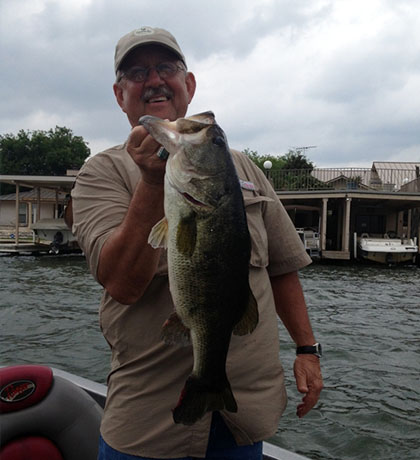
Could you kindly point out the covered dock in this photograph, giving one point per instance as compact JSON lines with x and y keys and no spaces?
{"x":43,"y":188}
{"x":343,"y":204}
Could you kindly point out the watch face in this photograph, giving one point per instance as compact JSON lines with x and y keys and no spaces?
{"x":318,"y":349}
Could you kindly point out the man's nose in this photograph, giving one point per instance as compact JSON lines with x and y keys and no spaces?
{"x":153,"y":78}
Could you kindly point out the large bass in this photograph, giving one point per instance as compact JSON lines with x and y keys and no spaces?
{"x":206,"y":234}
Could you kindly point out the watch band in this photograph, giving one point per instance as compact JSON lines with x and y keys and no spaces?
{"x":314,"y":349}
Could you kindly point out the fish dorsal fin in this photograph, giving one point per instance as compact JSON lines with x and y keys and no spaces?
{"x":249,"y":320}
{"x":158,"y":237}
{"x":174,"y":332}
{"x":186,"y":236}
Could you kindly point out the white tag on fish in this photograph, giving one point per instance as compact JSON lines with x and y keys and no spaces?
{"x":246,"y":185}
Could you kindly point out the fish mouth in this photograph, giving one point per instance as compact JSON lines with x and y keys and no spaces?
{"x":194,"y":201}
{"x":188,"y":197}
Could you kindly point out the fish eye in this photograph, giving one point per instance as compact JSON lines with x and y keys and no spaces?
{"x":218,"y":141}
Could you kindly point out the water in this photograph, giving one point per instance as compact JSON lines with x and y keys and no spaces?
{"x":367,"y":318}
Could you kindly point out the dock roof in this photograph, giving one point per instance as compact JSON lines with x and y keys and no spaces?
{"x":63,"y":183}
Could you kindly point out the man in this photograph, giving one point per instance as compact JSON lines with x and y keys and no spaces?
{"x":117,"y":199}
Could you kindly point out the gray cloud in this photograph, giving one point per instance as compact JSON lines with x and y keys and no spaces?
{"x":277,"y":74}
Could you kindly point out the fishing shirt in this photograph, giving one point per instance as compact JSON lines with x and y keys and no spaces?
{"x":147,"y":375}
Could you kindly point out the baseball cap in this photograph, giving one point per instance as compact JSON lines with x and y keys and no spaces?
{"x":145,"y":36}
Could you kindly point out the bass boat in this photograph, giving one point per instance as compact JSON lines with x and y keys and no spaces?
{"x":55,"y":415}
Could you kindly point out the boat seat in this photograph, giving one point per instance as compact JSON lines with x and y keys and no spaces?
{"x":46,"y":415}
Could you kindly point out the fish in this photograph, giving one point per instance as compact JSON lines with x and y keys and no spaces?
{"x":208,"y":246}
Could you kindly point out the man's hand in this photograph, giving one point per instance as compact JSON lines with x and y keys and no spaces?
{"x":308,"y":381}
{"x":143,"y":149}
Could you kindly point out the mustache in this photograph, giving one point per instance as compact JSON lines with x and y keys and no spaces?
{"x":154,"y":92}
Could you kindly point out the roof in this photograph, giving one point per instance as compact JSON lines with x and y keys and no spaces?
{"x":64,"y":183}
{"x":330,"y":175}
{"x":32,"y":195}
{"x":404,"y":165}
{"x":396,"y":174}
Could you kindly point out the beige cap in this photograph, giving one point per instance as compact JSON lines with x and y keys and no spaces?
{"x":145,"y":36}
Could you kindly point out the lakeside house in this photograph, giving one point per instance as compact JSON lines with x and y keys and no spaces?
{"x":50,"y":204}
{"x":342,"y":204}
{"x":45,"y":199}
{"x":339,"y":204}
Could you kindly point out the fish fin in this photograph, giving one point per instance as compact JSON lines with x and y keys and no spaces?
{"x":174,"y":332}
{"x":198,"y":397}
{"x":158,"y":237}
{"x":249,"y":320}
{"x":186,"y":236}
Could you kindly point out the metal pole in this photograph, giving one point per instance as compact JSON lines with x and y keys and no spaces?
{"x":38,"y":204}
{"x":17,"y":214}
{"x":346,"y":229}
{"x":324,"y":224}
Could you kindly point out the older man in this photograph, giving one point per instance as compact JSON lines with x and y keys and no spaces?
{"x":117,"y":199}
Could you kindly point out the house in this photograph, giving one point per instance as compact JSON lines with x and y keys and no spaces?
{"x":45,"y":199}
{"x":51,"y":205}
{"x":341,"y":204}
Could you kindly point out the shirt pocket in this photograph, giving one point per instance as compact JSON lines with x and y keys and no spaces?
{"x":259,"y":240}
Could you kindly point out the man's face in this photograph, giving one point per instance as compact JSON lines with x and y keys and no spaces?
{"x":165,"y":98}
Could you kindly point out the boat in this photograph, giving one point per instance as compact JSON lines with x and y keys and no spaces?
{"x":310,"y":240}
{"x":389,"y":250}
{"x":56,"y":415}
{"x":56,"y":233}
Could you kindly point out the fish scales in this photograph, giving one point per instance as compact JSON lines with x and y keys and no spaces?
{"x":207,"y":238}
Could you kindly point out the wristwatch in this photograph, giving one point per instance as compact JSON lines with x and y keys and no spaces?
{"x":314,"y":349}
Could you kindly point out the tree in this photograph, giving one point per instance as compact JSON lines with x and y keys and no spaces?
{"x":295,"y":159}
{"x":42,"y":152}
{"x":259,"y":160}
{"x":291,"y":171}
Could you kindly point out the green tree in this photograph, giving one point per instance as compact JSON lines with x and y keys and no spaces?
{"x":42,"y":152}
{"x":295,"y":159}
{"x":291,"y":171}
{"x":259,"y":160}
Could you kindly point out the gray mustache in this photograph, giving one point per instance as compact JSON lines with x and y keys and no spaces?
{"x":154,"y":92}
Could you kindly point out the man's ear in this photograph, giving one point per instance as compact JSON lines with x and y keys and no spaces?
{"x":191,"y":85}
{"x":119,"y":95}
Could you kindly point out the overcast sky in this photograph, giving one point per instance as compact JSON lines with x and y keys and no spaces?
{"x":341,"y":75}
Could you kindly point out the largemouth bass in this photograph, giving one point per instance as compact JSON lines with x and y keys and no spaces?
{"x":206,"y":234}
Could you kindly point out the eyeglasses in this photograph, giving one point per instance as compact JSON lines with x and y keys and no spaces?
{"x":164,"y":69}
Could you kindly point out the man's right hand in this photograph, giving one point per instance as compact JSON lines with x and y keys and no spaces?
{"x":143,"y":150}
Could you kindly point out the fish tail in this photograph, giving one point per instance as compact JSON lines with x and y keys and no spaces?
{"x":198,"y":397}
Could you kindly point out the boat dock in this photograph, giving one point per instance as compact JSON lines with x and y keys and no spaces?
{"x":33,"y":249}
{"x":28,"y":245}
{"x":341,"y":205}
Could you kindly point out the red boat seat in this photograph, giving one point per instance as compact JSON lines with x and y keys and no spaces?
{"x":43,"y":416}
{"x":31,"y":448}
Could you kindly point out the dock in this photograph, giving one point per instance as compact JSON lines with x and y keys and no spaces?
{"x":33,"y":249}
{"x":341,"y":205}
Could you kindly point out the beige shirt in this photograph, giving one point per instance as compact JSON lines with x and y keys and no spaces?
{"x":147,"y":375}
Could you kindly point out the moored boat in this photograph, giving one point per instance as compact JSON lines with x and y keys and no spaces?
{"x":56,"y":233}
{"x":388,"y":250}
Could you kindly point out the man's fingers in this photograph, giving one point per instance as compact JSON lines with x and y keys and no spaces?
{"x":140,"y":142}
{"x":308,"y":401}
{"x":301,"y":382}
{"x":308,"y":381}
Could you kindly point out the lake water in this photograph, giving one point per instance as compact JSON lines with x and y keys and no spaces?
{"x":367,"y":318}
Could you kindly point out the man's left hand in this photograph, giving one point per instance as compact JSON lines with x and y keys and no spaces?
{"x":308,"y":381}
